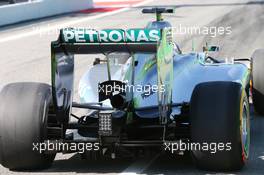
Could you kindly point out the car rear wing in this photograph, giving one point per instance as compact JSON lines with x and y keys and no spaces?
{"x":88,"y":41}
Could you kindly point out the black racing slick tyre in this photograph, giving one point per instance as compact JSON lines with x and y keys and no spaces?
{"x":220,"y":128}
{"x":23,"y":118}
{"x":257,"y":63}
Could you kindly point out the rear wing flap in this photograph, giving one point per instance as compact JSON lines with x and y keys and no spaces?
{"x":90,"y":41}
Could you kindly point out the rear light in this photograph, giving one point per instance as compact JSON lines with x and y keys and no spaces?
{"x":105,"y":124}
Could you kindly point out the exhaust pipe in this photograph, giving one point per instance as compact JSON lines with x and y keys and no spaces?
{"x":118,"y":101}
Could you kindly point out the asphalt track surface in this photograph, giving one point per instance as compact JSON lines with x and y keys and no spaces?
{"x":25,"y":56}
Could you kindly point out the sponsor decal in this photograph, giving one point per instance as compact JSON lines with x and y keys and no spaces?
{"x":110,"y":35}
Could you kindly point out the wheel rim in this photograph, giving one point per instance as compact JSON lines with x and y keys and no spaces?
{"x":245,"y":131}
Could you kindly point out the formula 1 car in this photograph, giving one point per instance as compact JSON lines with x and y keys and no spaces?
{"x":145,"y":94}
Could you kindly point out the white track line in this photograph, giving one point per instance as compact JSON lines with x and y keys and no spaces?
{"x":67,"y":24}
{"x":139,"y":166}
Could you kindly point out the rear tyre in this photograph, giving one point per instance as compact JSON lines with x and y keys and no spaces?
{"x":24,"y":109}
{"x":258,"y":80}
{"x":219,"y":116}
